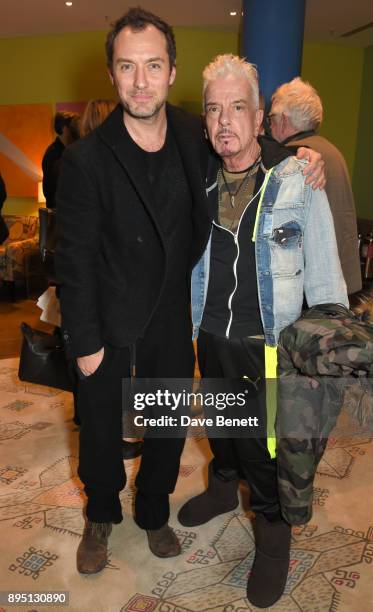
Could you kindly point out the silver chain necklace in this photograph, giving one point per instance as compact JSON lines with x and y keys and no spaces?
{"x":252,"y":170}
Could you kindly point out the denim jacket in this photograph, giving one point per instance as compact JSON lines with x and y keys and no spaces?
{"x":295,"y":251}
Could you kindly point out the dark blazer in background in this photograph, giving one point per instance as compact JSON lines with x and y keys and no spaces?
{"x":51,"y":165}
{"x":111,"y":257}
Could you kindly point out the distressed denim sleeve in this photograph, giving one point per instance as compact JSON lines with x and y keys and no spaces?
{"x":323,"y":278}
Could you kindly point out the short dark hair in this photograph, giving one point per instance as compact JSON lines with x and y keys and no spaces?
{"x":137,"y":19}
{"x":61,"y":119}
{"x":75,"y":128}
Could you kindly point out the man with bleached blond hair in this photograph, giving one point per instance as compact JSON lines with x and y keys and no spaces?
{"x":272,"y":240}
{"x":295,"y":116}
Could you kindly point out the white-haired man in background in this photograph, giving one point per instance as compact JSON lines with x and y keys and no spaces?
{"x":295,"y":116}
{"x":272,"y":239}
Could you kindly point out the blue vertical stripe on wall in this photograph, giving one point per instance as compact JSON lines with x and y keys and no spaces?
{"x":272,"y":39}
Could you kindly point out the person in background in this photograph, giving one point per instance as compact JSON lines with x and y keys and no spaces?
{"x":262,"y":106}
{"x":74,"y":129}
{"x":2,"y":192}
{"x":94,"y":114}
{"x":295,"y":116}
{"x":4,"y":232}
{"x":67,"y":129}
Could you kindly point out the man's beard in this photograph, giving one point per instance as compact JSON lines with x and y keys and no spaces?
{"x":226,"y":148}
{"x":145,"y":113}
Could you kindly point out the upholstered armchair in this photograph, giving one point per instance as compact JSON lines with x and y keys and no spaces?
{"x":23,"y":239}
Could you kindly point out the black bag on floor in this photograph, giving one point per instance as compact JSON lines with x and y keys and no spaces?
{"x":43,"y":360}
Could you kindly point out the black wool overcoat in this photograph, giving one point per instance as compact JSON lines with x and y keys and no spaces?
{"x":111,"y":258}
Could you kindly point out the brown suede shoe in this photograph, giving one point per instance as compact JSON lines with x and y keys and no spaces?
{"x":91,"y":555}
{"x":163,"y":542}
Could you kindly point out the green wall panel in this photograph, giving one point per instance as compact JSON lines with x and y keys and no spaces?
{"x":363,"y":183}
{"x":336,"y":73}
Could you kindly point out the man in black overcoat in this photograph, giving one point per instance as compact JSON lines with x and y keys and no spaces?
{"x":132,"y":222}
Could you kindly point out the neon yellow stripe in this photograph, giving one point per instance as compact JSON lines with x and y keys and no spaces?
{"x":265,"y":182}
{"x":270,"y":355}
{"x":270,"y":358}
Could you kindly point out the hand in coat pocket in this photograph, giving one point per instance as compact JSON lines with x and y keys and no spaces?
{"x":90,"y":363}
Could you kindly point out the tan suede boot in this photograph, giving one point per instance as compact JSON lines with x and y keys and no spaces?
{"x":92,"y":551}
{"x":163,"y":542}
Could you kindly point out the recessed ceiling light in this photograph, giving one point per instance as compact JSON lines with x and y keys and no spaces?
{"x":68,"y":3}
{"x":233,"y":13}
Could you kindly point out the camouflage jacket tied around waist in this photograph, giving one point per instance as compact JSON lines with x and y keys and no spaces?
{"x":325,"y":363}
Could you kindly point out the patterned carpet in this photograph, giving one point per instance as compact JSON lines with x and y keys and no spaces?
{"x":41,"y":520}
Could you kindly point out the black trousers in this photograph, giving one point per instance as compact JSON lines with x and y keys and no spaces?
{"x":165,"y":351}
{"x":244,"y":457}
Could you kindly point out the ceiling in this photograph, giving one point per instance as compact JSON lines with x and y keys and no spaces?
{"x":326,"y":20}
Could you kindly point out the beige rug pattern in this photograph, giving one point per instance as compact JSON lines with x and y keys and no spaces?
{"x":41,"y":503}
